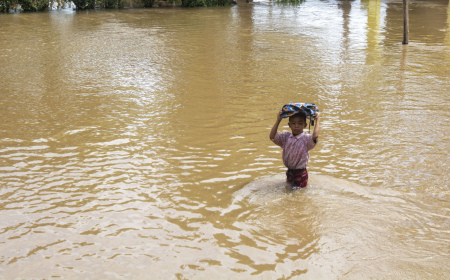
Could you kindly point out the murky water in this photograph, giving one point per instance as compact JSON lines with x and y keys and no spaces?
{"x":134,"y":144}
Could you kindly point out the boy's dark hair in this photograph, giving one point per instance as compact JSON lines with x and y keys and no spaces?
{"x":300,"y":114}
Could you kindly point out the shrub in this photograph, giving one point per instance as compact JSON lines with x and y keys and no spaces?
{"x":291,"y":1}
{"x":148,"y":3}
{"x":112,"y":4}
{"x":205,"y":3}
{"x":84,"y":4}
{"x":33,"y":5}
{"x":5,"y":5}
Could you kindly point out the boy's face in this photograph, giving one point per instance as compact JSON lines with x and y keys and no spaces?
{"x":297,"y":124}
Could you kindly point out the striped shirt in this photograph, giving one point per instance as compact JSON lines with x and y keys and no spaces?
{"x":295,"y":148}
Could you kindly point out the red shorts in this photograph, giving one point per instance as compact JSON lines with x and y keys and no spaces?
{"x":298,"y":178}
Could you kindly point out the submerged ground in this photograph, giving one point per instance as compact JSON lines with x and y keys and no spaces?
{"x":135,"y":144}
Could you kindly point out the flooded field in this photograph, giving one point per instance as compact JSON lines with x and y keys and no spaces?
{"x":134,"y":144}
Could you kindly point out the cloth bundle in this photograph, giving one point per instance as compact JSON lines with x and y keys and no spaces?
{"x":291,"y":109}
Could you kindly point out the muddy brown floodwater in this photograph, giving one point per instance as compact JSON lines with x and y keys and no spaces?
{"x":134,"y":143}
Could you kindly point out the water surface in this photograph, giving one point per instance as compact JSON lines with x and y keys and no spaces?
{"x":134,"y":143}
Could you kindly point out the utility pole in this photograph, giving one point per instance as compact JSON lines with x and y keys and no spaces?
{"x":405,"y":22}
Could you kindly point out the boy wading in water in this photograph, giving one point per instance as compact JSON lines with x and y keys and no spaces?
{"x":296,"y":146}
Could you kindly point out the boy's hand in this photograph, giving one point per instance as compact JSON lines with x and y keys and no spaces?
{"x":279,"y":117}
{"x":316,"y":127}
{"x":273,"y":131}
{"x":316,"y":116}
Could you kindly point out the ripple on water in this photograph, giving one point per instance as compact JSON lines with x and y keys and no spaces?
{"x":144,"y":151}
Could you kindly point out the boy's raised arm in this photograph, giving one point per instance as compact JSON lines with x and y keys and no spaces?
{"x":274,"y":130}
{"x":316,"y":128}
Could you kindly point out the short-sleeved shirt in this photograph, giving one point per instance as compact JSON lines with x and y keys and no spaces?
{"x":295,"y":148}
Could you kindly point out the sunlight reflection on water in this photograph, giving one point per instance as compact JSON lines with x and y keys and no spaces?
{"x":135,"y":142}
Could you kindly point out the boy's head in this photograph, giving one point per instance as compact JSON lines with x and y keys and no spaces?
{"x":297,"y":123}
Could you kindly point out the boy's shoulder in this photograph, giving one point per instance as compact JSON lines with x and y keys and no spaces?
{"x":285,"y":134}
{"x":306,"y":135}
{"x":281,"y":137}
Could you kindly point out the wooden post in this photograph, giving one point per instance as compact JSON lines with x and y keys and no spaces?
{"x":405,"y":22}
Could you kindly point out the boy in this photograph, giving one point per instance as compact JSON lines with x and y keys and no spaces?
{"x":296,"y":146}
